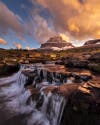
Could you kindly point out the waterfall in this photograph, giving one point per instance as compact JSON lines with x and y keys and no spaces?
{"x":53,"y":107}
{"x":14,"y":96}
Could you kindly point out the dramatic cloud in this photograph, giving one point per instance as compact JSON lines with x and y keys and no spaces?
{"x":41,"y":29}
{"x":80,"y":18}
{"x":28,"y":48}
{"x":74,"y":20}
{"x":17,"y":45}
{"x":65,"y":37}
{"x":8,"y":20}
{"x":2,"y":41}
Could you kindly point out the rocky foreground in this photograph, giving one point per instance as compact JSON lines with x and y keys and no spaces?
{"x":79,"y":87}
{"x":64,"y":86}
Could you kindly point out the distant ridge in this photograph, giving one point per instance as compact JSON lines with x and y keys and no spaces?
{"x":92,"y":42}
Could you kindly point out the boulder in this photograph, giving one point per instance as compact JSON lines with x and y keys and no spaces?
{"x":83,"y":105}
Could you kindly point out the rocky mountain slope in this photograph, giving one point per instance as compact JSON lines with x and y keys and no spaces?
{"x":56,"y":43}
{"x":92,"y":42}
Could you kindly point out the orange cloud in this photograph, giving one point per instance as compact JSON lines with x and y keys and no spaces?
{"x":64,"y":37}
{"x":28,"y":48}
{"x":80,"y":18}
{"x":2,"y":41}
{"x":17,"y":45}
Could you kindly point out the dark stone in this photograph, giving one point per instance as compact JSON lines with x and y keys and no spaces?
{"x":95,"y":58}
{"x":8,"y":69}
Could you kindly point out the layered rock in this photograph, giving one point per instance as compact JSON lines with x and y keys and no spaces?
{"x":90,"y":61}
{"x":8,"y":69}
{"x":56,"y":43}
{"x":92,"y":42}
{"x":83,"y":106}
{"x":79,"y":102}
{"x":95,"y":58}
{"x":54,"y":74}
{"x":75,"y":62}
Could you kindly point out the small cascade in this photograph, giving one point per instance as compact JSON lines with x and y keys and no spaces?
{"x":41,"y":108}
{"x":15,"y":98}
{"x":40,"y":74}
{"x":53,"y":107}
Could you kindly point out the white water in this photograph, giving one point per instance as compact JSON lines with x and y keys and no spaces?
{"x":54,"y":104}
{"x":13,"y":98}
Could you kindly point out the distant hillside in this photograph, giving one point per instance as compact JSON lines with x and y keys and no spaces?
{"x":92,"y":42}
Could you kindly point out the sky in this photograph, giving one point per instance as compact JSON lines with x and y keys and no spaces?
{"x":28,"y":23}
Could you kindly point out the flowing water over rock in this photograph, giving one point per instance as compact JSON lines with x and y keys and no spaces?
{"x":52,"y":74}
{"x":18,"y":108}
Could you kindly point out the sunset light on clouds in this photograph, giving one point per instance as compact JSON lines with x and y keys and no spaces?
{"x":30,"y":22}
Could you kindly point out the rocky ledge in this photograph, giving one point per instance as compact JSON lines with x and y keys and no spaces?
{"x":8,"y":69}
{"x":90,"y":61}
{"x":92,"y":42}
{"x":81,"y":97}
{"x":55,"y":75}
{"x":82,"y":105}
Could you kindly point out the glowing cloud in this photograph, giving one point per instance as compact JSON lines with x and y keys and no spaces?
{"x":17,"y":45}
{"x":2,"y":41}
{"x":80,"y":18}
{"x":64,"y":37}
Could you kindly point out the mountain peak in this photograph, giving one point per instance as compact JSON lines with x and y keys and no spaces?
{"x":56,"y":38}
{"x":56,"y":42}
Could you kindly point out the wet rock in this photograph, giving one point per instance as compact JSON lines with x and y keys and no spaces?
{"x":95,"y":67}
{"x":65,"y":89}
{"x":8,"y":69}
{"x":82,"y":101}
{"x":95,"y":58}
{"x":59,"y":62}
{"x":55,"y":74}
{"x":28,"y":72}
{"x":83,"y":105}
{"x":75,"y":62}
{"x":87,"y":97}
{"x":49,"y":77}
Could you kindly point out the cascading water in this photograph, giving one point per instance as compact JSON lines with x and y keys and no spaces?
{"x":13,"y":103}
{"x":53,"y":107}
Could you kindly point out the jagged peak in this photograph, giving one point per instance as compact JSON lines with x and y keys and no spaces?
{"x":56,"y":38}
{"x":56,"y":42}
